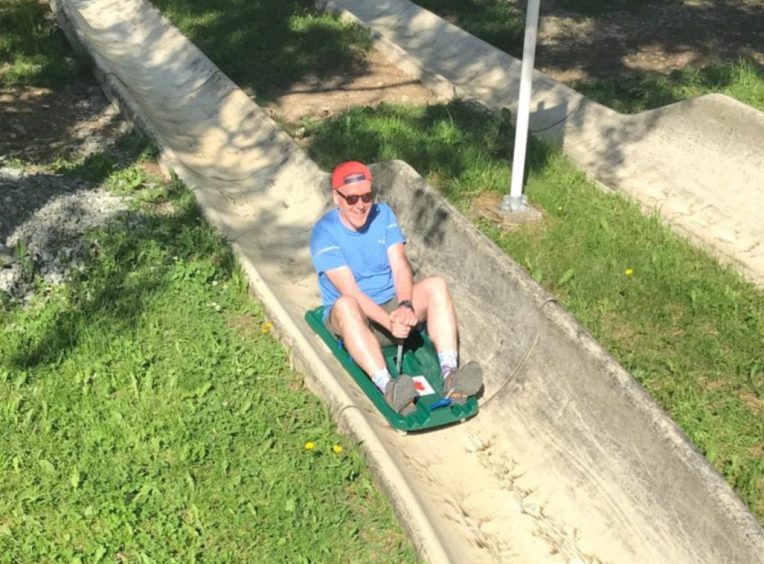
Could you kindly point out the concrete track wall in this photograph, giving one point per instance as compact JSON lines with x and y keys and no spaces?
{"x":568,"y":461}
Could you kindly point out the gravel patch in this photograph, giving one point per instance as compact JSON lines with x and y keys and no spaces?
{"x":42,"y":225}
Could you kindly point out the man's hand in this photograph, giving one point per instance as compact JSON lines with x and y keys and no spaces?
{"x":401,"y":322}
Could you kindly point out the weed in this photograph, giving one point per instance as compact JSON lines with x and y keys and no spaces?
{"x":13,"y":163}
{"x":23,"y":259}
{"x":126,"y":180}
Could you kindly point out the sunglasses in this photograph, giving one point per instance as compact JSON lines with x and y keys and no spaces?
{"x":353,"y":198}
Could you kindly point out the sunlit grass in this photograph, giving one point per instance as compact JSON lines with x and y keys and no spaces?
{"x":742,"y":80}
{"x":148,"y":413}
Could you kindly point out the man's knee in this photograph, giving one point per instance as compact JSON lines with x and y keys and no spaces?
{"x":437,"y":287}
{"x":440,"y":285}
{"x":347,"y":313}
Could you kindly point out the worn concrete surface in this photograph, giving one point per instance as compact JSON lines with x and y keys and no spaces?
{"x":700,"y":163}
{"x":568,"y":461}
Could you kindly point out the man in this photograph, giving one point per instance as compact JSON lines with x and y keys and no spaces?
{"x":369,"y":294}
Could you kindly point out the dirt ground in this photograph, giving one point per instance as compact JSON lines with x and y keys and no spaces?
{"x":668,"y":35}
{"x":38,"y":125}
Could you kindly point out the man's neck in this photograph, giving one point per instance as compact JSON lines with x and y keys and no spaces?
{"x":345,"y":223}
{"x":351,"y":227}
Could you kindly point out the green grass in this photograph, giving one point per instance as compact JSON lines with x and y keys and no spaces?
{"x":501,"y":25}
{"x":147,"y":412}
{"x":602,"y":7}
{"x":742,"y":80}
{"x":688,"y":329}
{"x":149,"y":415}
{"x":33,"y":51}
{"x":266,"y":46}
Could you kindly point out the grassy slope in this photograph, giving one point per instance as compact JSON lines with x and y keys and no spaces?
{"x":688,"y":329}
{"x":147,"y":412}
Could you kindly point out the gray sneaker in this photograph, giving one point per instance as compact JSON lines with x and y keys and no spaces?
{"x":461,"y":383}
{"x":400,"y":394}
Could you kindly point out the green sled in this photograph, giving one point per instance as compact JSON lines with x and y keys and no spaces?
{"x":419,"y":358}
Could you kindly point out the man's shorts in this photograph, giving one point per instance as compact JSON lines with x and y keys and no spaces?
{"x":383,"y":335}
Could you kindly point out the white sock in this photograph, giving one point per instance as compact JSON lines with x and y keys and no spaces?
{"x":381,"y":379}
{"x":449,"y":360}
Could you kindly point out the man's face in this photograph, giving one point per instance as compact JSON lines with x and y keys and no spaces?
{"x":355,"y":215}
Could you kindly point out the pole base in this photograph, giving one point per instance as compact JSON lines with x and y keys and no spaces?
{"x":514,"y":203}
{"x":516,"y":209}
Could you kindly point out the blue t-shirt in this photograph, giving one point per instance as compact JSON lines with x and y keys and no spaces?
{"x":333,"y":245}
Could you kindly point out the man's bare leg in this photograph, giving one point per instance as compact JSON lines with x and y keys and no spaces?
{"x":349,"y":318}
{"x":362,"y":344}
{"x":432,"y":303}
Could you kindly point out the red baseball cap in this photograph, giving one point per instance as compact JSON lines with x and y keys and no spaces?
{"x":351,"y":172}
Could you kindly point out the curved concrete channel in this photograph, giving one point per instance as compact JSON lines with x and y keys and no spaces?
{"x":568,"y":461}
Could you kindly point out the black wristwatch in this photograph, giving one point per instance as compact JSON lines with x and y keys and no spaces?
{"x":406,"y":303}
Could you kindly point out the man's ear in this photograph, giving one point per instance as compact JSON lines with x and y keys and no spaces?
{"x":335,"y":197}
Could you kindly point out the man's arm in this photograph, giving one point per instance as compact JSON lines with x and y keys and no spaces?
{"x":344,"y":281}
{"x":403,"y":278}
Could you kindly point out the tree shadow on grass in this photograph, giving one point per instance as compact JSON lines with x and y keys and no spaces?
{"x":33,"y":51}
{"x":267,"y":46}
{"x":49,"y":105}
{"x":645,"y":90}
{"x":454,"y":142}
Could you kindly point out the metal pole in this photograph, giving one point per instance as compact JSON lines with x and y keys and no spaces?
{"x":516,"y":200}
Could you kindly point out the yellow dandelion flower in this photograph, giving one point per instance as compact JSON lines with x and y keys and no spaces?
{"x":629,"y":271}
{"x":310,"y":445}
{"x":337,"y":449}
{"x":266,"y":327}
